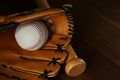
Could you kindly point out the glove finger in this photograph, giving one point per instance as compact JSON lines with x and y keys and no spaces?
{"x":60,"y":24}
{"x":47,"y":55}
{"x":16,"y":63}
{"x":8,"y":74}
{"x":28,"y":15}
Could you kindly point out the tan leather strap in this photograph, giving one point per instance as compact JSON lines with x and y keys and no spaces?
{"x":31,"y":16}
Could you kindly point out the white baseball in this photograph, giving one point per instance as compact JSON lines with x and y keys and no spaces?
{"x":31,"y":35}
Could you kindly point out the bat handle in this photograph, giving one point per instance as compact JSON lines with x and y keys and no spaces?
{"x":2,"y":19}
{"x":43,"y":4}
{"x":74,"y":65}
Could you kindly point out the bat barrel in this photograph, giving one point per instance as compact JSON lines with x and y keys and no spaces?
{"x":74,"y":65}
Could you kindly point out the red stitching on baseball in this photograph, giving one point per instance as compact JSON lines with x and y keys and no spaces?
{"x":40,"y":32}
{"x":37,"y":26}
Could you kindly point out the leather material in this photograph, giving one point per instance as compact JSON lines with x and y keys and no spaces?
{"x":61,"y":24}
{"x":30,"y":15}
{"x":16,"y":63}
{"x":24,"y":62}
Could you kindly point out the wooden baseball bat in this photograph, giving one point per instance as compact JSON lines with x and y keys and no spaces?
{"x":2,"y":19}
{"x":74,"y":65}
{"x":42,"y":4}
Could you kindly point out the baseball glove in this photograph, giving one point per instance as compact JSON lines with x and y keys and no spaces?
{"x":19,"y":64}
{"x":61,"y":28}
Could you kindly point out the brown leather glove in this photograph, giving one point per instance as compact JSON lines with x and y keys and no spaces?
{"x":59,"y":23}
{"x":19,"y":64}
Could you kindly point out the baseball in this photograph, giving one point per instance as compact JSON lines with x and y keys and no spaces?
{"x":31,"y":35}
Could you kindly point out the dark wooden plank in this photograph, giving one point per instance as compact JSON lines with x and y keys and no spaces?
{"x":107,"y":8}
{"x":104,"y":36}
